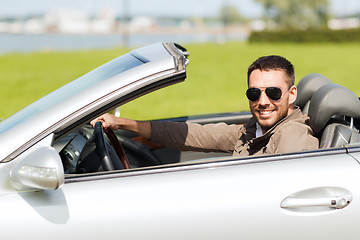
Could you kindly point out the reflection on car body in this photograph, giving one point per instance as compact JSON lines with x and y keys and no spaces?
{"x":168,"y":194}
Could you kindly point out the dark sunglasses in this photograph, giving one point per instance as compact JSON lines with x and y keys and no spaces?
{"x":274,"y":93}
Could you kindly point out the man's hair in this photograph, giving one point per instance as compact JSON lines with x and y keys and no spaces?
{"x":273,"y":62}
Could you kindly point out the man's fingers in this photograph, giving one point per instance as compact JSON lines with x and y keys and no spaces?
{"x":93,"y":122}
{"x":106,"y":119}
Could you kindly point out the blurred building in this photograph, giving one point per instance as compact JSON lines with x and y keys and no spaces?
{"x":344,"y":23}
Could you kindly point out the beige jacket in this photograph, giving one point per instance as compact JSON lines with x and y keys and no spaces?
{"x":291,"y":134}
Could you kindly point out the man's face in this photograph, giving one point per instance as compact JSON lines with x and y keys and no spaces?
{"x":268,"y":112}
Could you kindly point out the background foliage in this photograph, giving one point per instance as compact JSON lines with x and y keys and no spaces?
{"x":300,"y":36}
{"x":216,"y":75}
{"x":296,"y":14}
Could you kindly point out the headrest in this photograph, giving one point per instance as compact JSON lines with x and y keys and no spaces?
{"x":329,"y":100}
{"x":307,"y":86}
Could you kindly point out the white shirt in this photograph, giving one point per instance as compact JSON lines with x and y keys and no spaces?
{"x":259,"y":132}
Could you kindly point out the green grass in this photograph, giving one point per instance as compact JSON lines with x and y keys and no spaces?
{"x":27,"y":77}
{"x":216,"y":75}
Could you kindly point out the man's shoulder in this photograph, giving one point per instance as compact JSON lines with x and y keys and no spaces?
{"x":293,"y":127}
{"x":297,"y":115}
{"x":295,"y":135}
{"x":297,"y":121}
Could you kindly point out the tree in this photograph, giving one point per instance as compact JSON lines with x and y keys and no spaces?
{"x":297,"y":14}
{"x":229,"y":15}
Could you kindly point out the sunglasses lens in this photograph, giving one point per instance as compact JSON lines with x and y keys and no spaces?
{"x":273,"y":93}
{"x":253,"y":94}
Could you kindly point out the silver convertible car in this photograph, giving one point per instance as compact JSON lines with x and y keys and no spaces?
{"x":62,"y":179}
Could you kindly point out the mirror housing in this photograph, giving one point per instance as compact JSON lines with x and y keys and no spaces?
{"x":39,"y":170}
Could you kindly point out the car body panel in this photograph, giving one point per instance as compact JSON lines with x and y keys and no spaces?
{"x":355,"y":152}
{"x":227,"y":198}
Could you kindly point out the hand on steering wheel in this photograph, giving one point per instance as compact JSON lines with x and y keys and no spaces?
{"x":102,"y":150}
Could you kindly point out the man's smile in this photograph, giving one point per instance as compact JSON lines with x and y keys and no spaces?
{"x":265,"y":113}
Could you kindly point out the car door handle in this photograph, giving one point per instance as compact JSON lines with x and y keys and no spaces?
{"x":317,"y":199}
{"x":331,"y":202}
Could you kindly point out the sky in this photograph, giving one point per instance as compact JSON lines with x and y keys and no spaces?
{"x":198,"y":8}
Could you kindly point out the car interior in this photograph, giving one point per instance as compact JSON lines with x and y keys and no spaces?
{"x":80,"y":154}
{"x":334,"y":113}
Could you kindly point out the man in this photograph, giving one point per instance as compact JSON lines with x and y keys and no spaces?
{"x":277,"y":126}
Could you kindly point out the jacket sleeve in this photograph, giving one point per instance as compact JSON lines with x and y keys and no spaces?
{"x":196,"y":137}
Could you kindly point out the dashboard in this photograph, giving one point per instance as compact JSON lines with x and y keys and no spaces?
{"x":70,"y":147}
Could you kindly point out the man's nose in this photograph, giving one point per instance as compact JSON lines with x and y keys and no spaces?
{"x":264,"y":100}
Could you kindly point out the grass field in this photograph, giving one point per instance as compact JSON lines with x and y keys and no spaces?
{"x":216,"y":75}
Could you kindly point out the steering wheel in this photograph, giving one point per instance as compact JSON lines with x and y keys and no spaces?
{"x":102,"y":149}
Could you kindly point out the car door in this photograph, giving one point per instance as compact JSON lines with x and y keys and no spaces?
{"x":295,"y":196}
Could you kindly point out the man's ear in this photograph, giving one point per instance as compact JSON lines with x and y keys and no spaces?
{"x":292,"y":94}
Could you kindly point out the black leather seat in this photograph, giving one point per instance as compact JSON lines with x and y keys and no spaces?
{"x":332,"y":111}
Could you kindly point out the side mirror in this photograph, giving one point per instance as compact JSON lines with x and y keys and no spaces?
{"x":39,"y":170}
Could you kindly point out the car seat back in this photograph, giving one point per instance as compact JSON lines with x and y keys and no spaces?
{"x":306,"y":88}
{"x":332,"y":111}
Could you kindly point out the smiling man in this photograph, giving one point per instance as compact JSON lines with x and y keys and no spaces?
{"x":277,"y":126}
{"x":277,"y":102}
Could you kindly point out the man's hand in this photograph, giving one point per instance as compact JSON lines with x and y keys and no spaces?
{"x":108,"y":121}
{"x":115,"y":123}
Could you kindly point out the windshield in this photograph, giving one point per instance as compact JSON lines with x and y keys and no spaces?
{"x":90,"y":79}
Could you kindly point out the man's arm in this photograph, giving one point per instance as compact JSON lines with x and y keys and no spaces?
{"x":196,"y":137}
{"x":142,"y":128}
